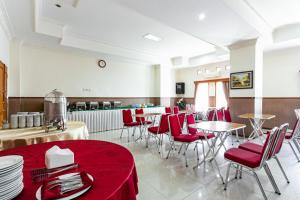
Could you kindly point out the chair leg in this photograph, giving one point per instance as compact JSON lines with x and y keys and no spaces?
{"x":180,"y":148}
{"x":296,"y":144}
{"x":271,"y":178}
{"x":294,"y":151}
{"x":227,"y":175}
{"x":128,"y":134}
{"x":122,"y":132}
{"x":133,"y":132}
{"x":282,"y":170}
{"x":241,"y":172}
{"x":171,"y":147}
{"x":197,"y":152}
{"x":244,"y":134}
{"x":236,"y":171}
{"x":237,"y":136}
{"x":260,"y":186}
{"x":186,"y":163}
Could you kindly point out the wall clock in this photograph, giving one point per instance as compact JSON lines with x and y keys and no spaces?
{"x":102,"y":63}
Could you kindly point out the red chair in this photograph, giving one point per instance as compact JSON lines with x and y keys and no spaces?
{"x":220,"y":114}
{"x":168,"y":110}
{"x":293,"y":137}
{"x":158,"y":131}
{"x":227,"y":115}
{"x":211,"y":115}
{"x":252,"y":161}
{"x":181,"y":117}
{"x":257,"y":148}
{"x":128,"y":122}
{"x":178,"y":136}
{"x":141,"y":120}
{"x":190,"y":119}
{"x":227,"y":118}
{"x":175,"y":110}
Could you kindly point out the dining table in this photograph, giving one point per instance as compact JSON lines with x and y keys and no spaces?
{"x":11,"y":138}
{"x":221,"y":130}
{"x":256,"y":121}
{"x":111,"y":166}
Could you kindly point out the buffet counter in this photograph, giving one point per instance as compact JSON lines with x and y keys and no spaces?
{"x":104,"y":120}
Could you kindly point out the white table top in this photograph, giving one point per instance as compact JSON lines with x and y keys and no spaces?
{"x":257,"y":116}
{"x":217,"y":126}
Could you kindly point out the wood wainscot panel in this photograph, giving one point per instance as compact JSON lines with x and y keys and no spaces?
{"x":241,"y":105}
{"x":283,"y":108}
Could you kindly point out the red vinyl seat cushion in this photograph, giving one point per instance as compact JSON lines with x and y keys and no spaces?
{"x":186,"y":138}
{"x":132,"y":124}
{"x":249,"y":146}
{"x":201,"y":135}
{"x":155,"y":130}
{"x":243,"y":157}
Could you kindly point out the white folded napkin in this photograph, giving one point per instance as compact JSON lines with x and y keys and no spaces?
{"x":57,"y":157}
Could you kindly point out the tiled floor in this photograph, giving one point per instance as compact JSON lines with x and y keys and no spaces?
{"x":161,"y":179}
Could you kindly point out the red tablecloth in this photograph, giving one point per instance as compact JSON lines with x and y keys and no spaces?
{"x":111,"y":165}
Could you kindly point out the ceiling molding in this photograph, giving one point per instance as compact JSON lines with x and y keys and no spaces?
{"x":5,"y":22}
{"x":242,"y":44}
{"x":251,"y":16}
{"x":80,"y":42}
{"x":286,"y":33}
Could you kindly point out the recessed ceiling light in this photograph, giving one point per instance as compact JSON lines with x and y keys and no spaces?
{"x":152,"y":37}
{"x":201,"y":16}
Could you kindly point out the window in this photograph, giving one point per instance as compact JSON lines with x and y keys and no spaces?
{"x":221,"y":100}
{"x":211,"y":93}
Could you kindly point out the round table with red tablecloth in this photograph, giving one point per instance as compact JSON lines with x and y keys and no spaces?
{"x":112,"y":167}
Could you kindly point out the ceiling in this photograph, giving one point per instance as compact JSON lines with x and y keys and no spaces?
{"x":117,"y":27}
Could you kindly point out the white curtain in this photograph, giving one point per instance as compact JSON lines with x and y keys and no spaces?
{"x":221,"y":99}
{"x":201,"y":97}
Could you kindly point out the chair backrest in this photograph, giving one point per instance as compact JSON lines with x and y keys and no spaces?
{"x":211,"y":115}
{"x":220,"y":114}
{"x":139,"y":111}
{"x":280,"y":138}
{"x":163,"y":124}
{"x":181,"y":117}
{"x":174,"y":125}
{"x":175,"y":110}
{"x":127,"y":117}
{"x":268,"y":145}
{"x":168,"y":110}
{"x":227,"y":115}
{"x":190,"y":119}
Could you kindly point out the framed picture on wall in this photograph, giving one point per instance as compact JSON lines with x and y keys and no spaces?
{"x":241,"y":80}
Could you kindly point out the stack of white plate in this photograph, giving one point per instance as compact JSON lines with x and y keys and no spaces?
{"x":11,"y":176}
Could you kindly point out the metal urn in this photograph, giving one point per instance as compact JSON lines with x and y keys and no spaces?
{"x":55,"y":109}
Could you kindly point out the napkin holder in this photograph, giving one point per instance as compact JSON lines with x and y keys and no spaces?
{"x":57,"y":157}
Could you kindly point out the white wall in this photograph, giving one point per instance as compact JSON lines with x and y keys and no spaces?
{"x":189,"y":75}
{"x":38,"y":70}
{"x":4,"y":47}
{"x":281,"y":77}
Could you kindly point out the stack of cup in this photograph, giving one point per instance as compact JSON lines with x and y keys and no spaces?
{"x":29,"y":121}
{"x":14,"y":121}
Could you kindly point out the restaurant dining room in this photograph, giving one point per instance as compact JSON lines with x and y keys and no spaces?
{"x":149,"y":100}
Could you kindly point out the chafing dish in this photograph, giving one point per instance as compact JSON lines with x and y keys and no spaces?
{"x":105,"y":105}
{"x":116,"y":104}
{"x":80,"y":105}
{"x":93,"y":105}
